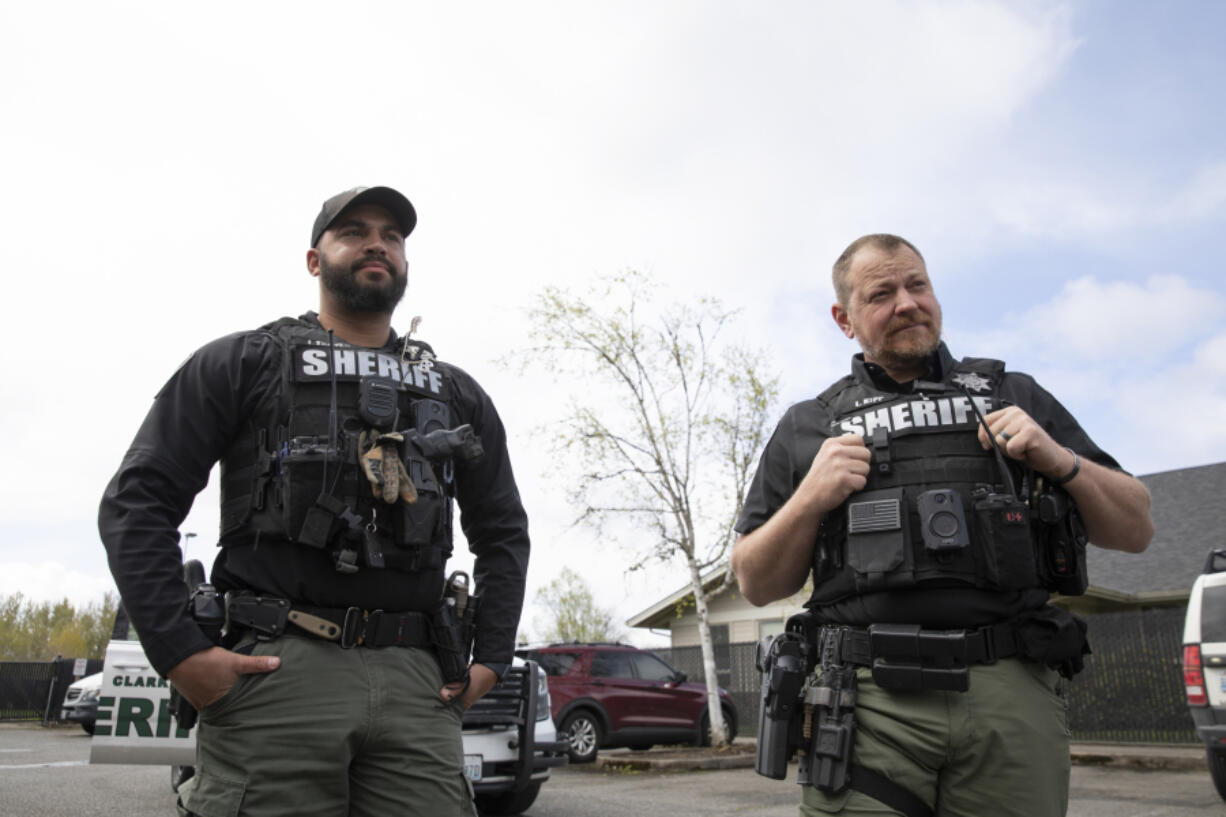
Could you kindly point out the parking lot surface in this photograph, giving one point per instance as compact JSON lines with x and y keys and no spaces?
{"x":44,"y":772}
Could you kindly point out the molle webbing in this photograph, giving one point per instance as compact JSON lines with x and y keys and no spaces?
{"x":293,"y":472}
{"x":934,"y":510}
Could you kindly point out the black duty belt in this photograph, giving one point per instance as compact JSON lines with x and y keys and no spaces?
{"x":268,"y":617}
{"x":904,"y":656}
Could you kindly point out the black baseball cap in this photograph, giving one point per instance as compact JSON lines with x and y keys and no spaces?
{"x":391,"y":200}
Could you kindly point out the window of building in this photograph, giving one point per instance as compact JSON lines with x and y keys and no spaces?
{"x":772,"y":626}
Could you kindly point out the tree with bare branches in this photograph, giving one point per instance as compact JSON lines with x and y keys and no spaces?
{"x":665,"y":430}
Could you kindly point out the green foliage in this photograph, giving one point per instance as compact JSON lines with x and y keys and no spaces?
{"x":32,"y":631}
{"x":574,"y":615}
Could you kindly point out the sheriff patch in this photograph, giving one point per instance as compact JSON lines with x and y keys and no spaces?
{"x":941,"y":413}
{"x":314,"y":363}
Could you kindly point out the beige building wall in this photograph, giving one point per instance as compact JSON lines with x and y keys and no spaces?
{"x":741,"y":617}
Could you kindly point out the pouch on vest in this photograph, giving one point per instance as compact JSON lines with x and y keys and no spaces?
{"x":308,"y":464}
{"x":1062,"y":543}
{"x":878,"y":538}
{"x":1003,"y":523}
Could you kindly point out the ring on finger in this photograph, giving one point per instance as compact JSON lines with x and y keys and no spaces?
{"x":1005,"y":435}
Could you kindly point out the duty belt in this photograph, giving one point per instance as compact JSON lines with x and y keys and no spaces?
{"x":268,"y":617}
{"x":904,"y":656}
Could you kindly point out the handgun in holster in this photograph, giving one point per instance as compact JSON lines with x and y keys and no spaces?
{"x":208,"y":610}
{"x":452,"y":627}
{"x":786,"y":662}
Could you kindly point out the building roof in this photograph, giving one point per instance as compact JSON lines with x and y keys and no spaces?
{"x":663,"y":611}
{"x":1189,"y":511}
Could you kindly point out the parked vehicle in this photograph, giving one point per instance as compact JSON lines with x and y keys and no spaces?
{"x":81,"y":702}
{"x":607,"y":695}
{"x":510,"y":741}
{"x":1204,"y":663}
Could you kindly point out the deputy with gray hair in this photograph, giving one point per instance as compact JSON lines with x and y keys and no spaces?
{"x":936,"y":504}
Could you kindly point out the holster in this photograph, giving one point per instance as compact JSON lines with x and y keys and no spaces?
{"x":453,"y":626}
{"x":785,"y":662}
{"x":206,"y":609}
{"x":1055,"y":637}
{"x":830,"y":718}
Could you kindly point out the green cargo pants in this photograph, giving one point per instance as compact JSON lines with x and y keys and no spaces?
{"x":1001,"y":748}
{"x":343,"y":733}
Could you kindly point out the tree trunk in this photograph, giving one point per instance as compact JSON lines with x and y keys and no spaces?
{"x":719,"y":731}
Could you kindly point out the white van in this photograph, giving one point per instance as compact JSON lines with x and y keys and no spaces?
{"x":1204,"y":662}
{"x":510,"y":742}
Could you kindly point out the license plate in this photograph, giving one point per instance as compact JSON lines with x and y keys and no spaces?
{"x":472,"y":767}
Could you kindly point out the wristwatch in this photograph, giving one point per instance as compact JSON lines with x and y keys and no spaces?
{"x":497,"y":668}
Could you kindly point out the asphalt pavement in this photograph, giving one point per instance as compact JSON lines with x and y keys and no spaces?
{"x":1134,"y":756}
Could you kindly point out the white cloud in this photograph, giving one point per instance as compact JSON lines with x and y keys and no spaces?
{"x":1142,"y":365}
{"x":1202,"y":198}
{"x":53,"y":581}
{"x":1210,"y":358}
{"x":1115,"y":325}
{"x":1072,"y":203}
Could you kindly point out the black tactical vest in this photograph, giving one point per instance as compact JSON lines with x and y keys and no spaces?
{"x":937,"y":509}
{"x":293,"y":473}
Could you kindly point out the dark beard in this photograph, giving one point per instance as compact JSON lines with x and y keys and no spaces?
{"x":896,"y":355}
{"x":355,"y":297}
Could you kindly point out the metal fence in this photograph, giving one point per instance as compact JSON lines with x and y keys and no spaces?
{"x":34,"y":690}
{"x":1131,"y":689}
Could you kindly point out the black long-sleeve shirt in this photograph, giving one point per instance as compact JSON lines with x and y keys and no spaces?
{"x":195,"y":419}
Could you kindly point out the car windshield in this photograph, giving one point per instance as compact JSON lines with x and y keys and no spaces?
{"x":1213,"y":615}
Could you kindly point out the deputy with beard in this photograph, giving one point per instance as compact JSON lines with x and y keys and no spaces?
{"x":958,"y":706}
{"x":329,"y":697}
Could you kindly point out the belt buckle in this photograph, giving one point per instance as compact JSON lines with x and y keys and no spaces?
{"x":353,"y":630}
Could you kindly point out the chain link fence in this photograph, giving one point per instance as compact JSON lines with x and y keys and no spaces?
{"x":1131,"y":689}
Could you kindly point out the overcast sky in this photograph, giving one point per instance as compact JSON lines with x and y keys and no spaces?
{"x":1062,"y":166}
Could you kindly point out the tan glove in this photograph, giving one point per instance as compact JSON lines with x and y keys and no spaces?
{"x":384,"y":468}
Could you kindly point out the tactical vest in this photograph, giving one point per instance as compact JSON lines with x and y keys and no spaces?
{"x":293,"y":473}
{"x":937,"y":510}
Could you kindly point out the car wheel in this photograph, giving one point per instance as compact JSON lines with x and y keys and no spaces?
{"x":1217,"y":770}
{"x":180,"y":775}
{"x":583,"y":736}
{"x":88,"y":726}
{"x":507,"y":802}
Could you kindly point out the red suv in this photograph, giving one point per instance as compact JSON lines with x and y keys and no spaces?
{"x":607,"y":695}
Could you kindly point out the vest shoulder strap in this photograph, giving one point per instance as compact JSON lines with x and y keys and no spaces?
{"x":288,"y":329}
{"x":827,"y":397}
{"x":984,"y":365}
